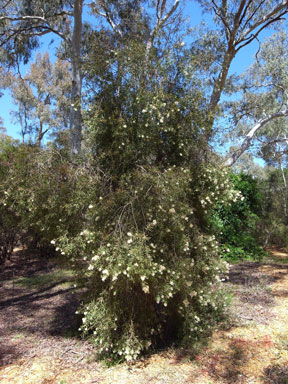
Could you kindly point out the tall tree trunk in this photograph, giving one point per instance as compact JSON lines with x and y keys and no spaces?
{"x":40,"y":134}
{"x":284,"y":192}
{"x":75,"y":112}
{"x":240,"y":30}
{"x":218,"y":89}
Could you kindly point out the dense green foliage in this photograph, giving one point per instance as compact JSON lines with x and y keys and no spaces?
{"x":9,"y":220}
{"x":143,"y":238}
{"x":145,"y":242}
{"x":273,"y":227}
{"x":236,"y":225}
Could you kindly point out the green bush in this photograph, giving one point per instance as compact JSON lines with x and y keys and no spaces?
{"x":10,"y":229}
{"x":142,"y":246}
{"x":37,"y":187}
{"x":150,"y":266}
{"x":236,"y":224}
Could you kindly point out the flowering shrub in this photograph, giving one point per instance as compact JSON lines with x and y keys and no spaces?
{"x":145,"y":255}
{"x":142,"y":246}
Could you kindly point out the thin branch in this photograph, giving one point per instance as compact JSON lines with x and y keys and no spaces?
{"x":275,"y":141}
{"x":163,"y":5}
{"x":46,"y":25}
{"x":107,"y":15}
{"x":250,"y":135}
{"x":252,"y":14}
{"x":270,"y":15}
{"x":157,"y":9}
{"x":33,"y":18}
{"x":248,"y":40}
{"x":4,"y":6}
{"x":218,"y":13}
{"x":172,"y":10}
{"x":160,"y":22}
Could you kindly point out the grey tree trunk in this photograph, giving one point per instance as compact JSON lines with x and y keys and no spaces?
{"x":76,"y":91}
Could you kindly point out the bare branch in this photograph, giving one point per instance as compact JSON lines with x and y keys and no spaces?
{"x":157,"y":9}
{"x":252,"y":14}
{"x":248,"y":40}
{"x":23,"y":18}
{"x":44,"y":24}
{"x":271,"y":15}
{"x":33,"y":18}
{"x":250,"y":135}
{"x":219,"y":14}
{"x":170,"y":13}
{"x":107,"y":15}
{"x":163,"y":5}
{"x":160,"y":23}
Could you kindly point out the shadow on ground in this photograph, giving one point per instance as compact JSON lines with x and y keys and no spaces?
{"x":30,"y":312}
{"x":277,"y":374}
{"x":249,"y":273}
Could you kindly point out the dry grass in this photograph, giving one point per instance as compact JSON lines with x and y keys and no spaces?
{"x":35,"y":349}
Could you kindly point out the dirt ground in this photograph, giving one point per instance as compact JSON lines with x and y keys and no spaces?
{"x":38,"y":344}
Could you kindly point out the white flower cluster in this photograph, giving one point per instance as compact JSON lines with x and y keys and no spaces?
{"x":216,"y":187}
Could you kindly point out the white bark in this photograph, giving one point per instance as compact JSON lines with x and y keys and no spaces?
{"x":250,"y":135}
{"x":107,"y":15}
{"x":285,"y":191}
{"x":161,"y":20}
{"x":76,"y":91}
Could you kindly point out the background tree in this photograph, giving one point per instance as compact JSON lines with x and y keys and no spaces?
{"x":240,"y":23}
{"x":236,"y":225}
{"x":22,"y":22}
{"x":273,"y":224}
{"x":264,"y":103}
{"x":42,"y":97}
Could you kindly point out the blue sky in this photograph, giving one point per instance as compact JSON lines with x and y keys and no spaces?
{"x":192,"y":10}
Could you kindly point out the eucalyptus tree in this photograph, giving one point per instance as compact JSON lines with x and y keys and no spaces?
{"x":238,"y":23}
{"x":42,"y":98}
{"x":261,"y":114}
{"x":23,"y":22}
